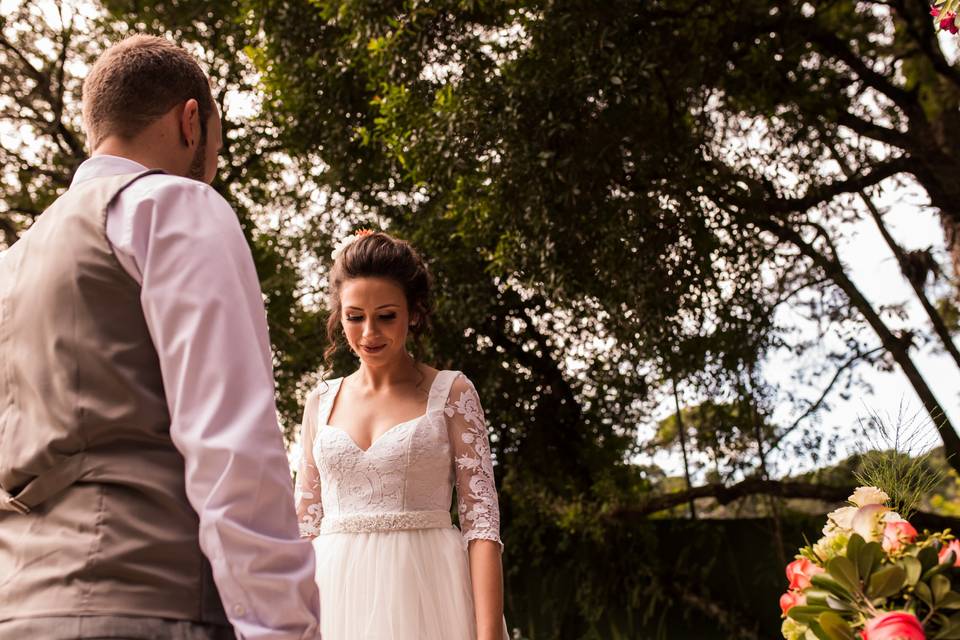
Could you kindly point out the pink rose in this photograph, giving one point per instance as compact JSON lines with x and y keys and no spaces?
{"x":947,"y":22}
{"x":953,"y":545}
{"x":895,"y":625}
{"x":791,"y":599}
{"x":896,"y":534}
{"x":800,"y":571}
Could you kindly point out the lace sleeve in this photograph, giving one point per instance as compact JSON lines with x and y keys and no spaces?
{"x":307,"y":486}
{"x":476,"y":491}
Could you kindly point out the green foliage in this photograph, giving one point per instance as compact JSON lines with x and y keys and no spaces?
{"x":949,"y":311}
{"x":894,"y":465}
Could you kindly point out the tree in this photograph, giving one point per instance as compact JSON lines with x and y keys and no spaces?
{"x":36,"y":103}
{"x":561,"y":139}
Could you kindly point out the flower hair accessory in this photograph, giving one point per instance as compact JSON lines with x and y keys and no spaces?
{"x":349,"y":240}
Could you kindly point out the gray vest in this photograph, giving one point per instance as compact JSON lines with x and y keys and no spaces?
{"x":94,"y":518}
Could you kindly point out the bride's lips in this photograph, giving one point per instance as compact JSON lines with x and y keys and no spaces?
{"x":373,"y":349}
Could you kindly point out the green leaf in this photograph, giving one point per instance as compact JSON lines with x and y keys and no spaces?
{"x":817,"y":596}
{"x":868,"y":558}
{"x":835,"y":627}
{"x":818,"y":631}
{"x":935,"y":571}
{"x":922,"y":591}
{"x":806,"y":613}
{"x":887,"y":581}
{"x":854,"y":545}
{"x":928,"y":558}
{"x":950,"y":630}
{"x":940,"y":587}
{"x":827,"y":583}
{"x":844,"y":572}
{"x":949,"y":601}
{"x":913,"y":568}
{"x":837,"y":604}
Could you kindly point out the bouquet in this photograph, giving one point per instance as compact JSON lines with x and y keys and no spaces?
{"x":872,"y":576}
{"x":944,"y":14}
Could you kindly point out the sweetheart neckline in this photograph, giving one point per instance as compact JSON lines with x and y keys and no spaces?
{"x":379,"y":438}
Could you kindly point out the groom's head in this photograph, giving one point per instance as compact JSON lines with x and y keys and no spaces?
{"x":148,"y":99}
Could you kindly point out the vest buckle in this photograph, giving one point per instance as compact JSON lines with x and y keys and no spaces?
{"x":9,"y":503}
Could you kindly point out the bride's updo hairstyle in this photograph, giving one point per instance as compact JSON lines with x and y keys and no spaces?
{"x":379,"y":255}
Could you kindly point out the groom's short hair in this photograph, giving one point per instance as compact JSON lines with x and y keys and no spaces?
{"x":135,"y":82}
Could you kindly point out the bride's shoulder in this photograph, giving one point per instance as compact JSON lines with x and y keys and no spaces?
{"x":461,"y":384}
{"x":322,"y":389}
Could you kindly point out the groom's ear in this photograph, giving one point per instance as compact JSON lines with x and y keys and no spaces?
{"x":190,"y":123}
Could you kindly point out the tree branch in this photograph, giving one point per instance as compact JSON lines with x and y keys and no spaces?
{"x":792,"y":292}
{"x":823,"y":395}
{"x":57,"y":128}
{"x":832,"y":44}
{"x":874,"y":131}
{"x":725,"y":495}
{"x":827,"y":192}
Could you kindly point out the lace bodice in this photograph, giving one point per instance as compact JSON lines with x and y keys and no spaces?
{"x":408,"y":474}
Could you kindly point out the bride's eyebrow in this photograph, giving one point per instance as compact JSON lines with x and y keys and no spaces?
{"x":383,"y":306}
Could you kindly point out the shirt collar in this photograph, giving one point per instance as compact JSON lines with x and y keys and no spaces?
{"x":103,"y":166}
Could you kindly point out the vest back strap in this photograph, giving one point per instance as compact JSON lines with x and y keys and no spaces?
{"x":44,"y":486}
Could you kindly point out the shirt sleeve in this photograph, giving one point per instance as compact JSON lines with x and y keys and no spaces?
{"x":204,"y":309}
{"x":307,"y":487}
{"x":473,"y":464}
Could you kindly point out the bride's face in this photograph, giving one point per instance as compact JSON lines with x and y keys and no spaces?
{"x":375,"y":319}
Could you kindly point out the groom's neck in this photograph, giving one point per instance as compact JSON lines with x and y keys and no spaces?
{"x":139,"y":155}
{"x":156,"y":147}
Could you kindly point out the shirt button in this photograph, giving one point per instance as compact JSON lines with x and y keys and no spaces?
{"x":239,"y":609}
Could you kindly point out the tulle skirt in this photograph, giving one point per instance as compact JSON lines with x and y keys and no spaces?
{"x":395,"y":585}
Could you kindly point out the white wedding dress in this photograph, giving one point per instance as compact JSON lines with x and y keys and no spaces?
{"x":390,"y":565}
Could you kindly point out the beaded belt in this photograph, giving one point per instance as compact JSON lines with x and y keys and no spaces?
{"x":395,"y":521}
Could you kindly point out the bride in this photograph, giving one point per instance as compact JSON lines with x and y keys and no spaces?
{"x":382,"y":450}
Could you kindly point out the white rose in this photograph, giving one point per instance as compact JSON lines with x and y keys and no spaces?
{"x":868,"y":495}
{"x":867,"y":521}
{"x":843,"y":517}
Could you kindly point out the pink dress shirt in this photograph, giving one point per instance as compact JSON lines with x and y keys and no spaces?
{"x":201,"y":298}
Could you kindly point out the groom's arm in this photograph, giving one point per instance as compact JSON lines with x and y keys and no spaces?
{"x":203,"y":305}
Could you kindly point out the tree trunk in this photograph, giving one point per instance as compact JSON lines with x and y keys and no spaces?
{"x":683,"y":448}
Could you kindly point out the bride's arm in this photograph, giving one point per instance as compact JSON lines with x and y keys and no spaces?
{"x":307,"y":486}
{"x":477,"y":505}
{"x":486,"y":573}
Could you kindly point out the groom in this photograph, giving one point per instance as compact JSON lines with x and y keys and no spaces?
{"x":144,"y":489}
